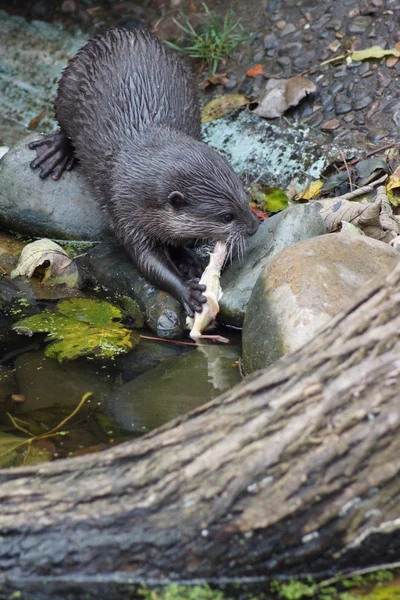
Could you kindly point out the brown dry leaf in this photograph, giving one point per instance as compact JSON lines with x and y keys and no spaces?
{"x":62,"y":269}
{"x":373,"y":52}
{"x":281,"y":94}
{"x":254,"y":71}
{"x":36,"y":120}
{"x":222,"y":106}
{"x":374,"y":219}
{"x":217,"y":79}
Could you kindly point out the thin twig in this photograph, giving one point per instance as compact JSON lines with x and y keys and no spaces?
{"x":362,"y":190}
{"x":347,"y":168}
{"x":357,"y":572}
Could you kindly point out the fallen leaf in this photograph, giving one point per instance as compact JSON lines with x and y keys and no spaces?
{"x":81,"y":327}
{"x":393,"y":187}
{"x":366,"y":167}
{"x":254,"y":71}
{"x":36,"y":120}
{"x":334,"y":181}
{"x":311,"y":191}
{"x":219,"y":107}
{"x":280,"y":94}
{"x":62,"y":269}
{"x":217,"y":79}
{"x":373,"y":52}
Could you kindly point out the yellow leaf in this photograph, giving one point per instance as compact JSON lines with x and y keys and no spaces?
{"x":373,"y":52}
{"x":222,"y":106}
{"x":311,"y":191}
{"x":392,"y":187}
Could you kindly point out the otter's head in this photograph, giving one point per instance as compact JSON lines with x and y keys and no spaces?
{"x":203,"y":198}
{"x":176,"y":190}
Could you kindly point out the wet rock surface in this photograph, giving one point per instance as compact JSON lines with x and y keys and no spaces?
{"x":303,"y":287}
{"x":174,"y":388}
{"x":278,"y":232}
{"x":61,"y":209}
{"x":110,"y":267}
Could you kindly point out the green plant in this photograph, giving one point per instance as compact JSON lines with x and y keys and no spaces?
{"x":213,"y":41}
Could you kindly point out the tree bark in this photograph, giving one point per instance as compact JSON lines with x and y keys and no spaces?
{"x":296,"y":470}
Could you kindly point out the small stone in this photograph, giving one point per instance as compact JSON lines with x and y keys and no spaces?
{"x":280,"y":24}
{"x":258,"y":57}
{"x":270,"y":41}
{"x":384,"y":79}
{"x":321,"y":23}
{"x":391,"y":62}
{"x":289,"y":28}
{"x":359,"y":121}
{"x":330,"y":125}
{"x":334,"y":24}
{"x":349,"y":117}
{"x":305,"y":60}
{"x":343,"y":108}
{"x":377,"y":3}
{"x":293,"y":49}
{"x":329,"y":106}
{"x":360,"y":24}
{"x":284,"y":61}
{"x":372,"y":109}
{"x":308,"y":36}
{"x":362,"y":102}
{"x":231,"y":84}
{"x":337,"y":87}
{"x":341,"y":72}
{"x":354,"y":12}
{"x":364,"y":67}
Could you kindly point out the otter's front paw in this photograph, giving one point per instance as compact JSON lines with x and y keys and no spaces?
{"x":54,"y":155}
{"x":192,"y":297}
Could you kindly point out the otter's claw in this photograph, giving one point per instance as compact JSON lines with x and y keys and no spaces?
{"x":194,"y":299}
{"x":54,"y":155}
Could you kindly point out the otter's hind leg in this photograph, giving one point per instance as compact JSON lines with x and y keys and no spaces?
{"x":54,"y":155}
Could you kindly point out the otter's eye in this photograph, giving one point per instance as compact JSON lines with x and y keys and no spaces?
{"x":177,"y":199}
{"x":228,"y":218}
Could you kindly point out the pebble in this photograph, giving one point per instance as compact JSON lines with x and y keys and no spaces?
{"x":391,"y":62}
{"x":308,"y":36}
{"x":284,"y":61}
{"x":288,"y":29}
{"x":258,"y":57}
{"x":364,"y":67}
{"x":293,"y":49}
{"x":349,"y":117}
{"x":342,"y":108}
{"x":334,"y":24}
{"x":384,"y":79}
{"x":231,"y":84}
{"x":330,"y":125}
{"x":329,"y":105}
{"x":362,"y":102}
{"x":336,"y":88}
{"x":360,"y":24}
{"x":270,"y":41}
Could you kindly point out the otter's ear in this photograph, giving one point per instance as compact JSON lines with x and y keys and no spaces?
{"x":177,"y":199}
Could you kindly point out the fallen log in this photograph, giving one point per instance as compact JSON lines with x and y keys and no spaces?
{"x":296,"y":470}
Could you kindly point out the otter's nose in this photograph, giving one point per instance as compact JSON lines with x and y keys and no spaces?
{"x":253,"y":226}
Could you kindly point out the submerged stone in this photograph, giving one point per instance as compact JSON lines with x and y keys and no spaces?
{"x":174,"y":388}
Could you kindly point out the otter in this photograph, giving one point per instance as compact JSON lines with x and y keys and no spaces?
{"x":129,"y":113}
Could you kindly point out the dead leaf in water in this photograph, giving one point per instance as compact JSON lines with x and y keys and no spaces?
{"x":222,"y":106}
{"x":281,"y":94}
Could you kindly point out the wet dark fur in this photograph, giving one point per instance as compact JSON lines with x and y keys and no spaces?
{"x":129,"y":105}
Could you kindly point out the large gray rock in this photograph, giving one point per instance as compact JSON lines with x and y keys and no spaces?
{"x":61,"y":209}
{"x":284,"y":229}
{"x":303,"y":287}
{"x":174,"y":387}
{"x":110,"y":267}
